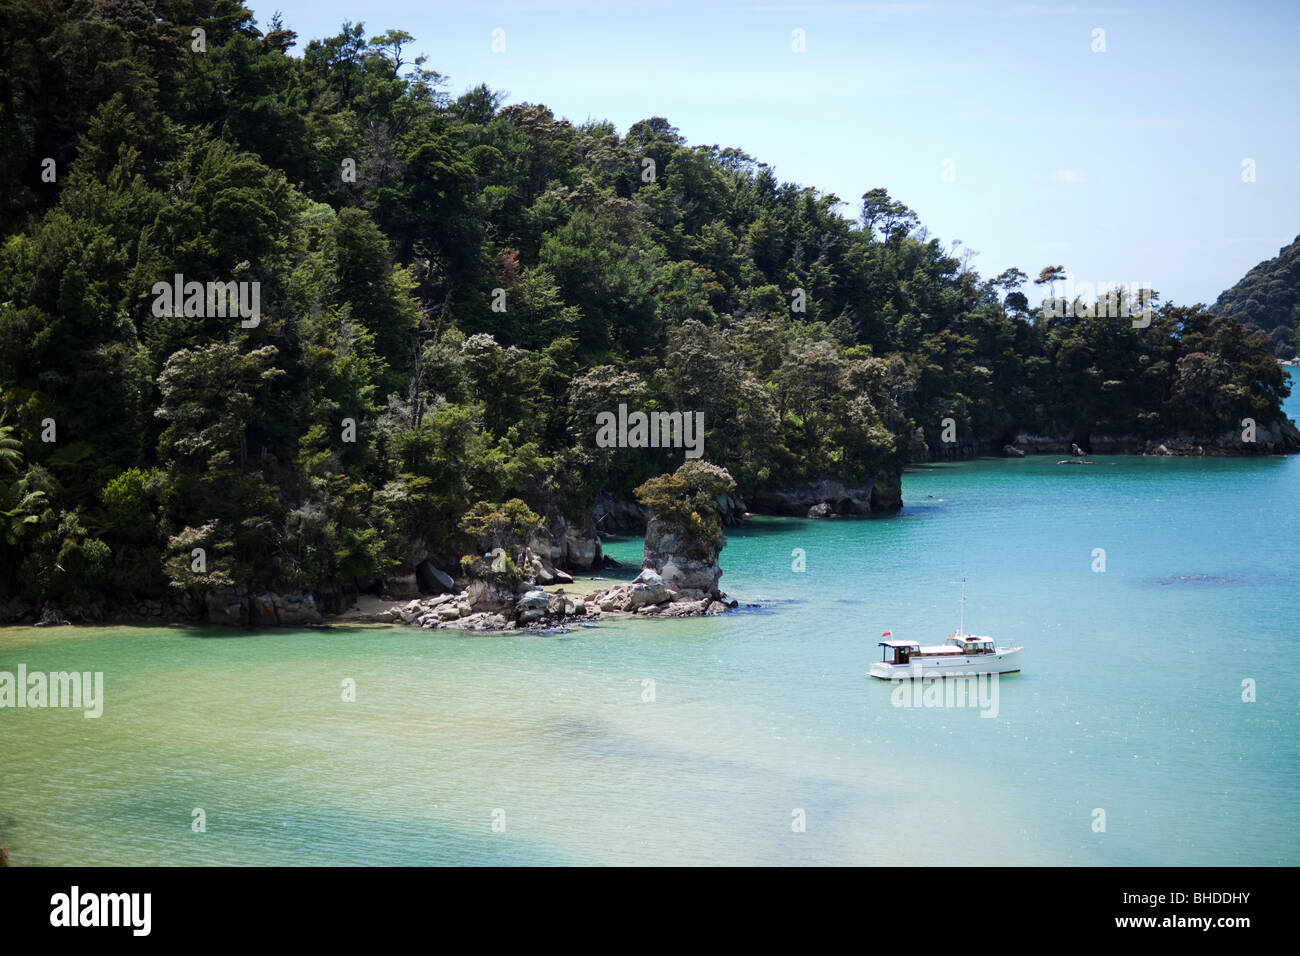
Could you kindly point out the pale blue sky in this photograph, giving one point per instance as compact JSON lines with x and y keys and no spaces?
{"x":1123,"y":165}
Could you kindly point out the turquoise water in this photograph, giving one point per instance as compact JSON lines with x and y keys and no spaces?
{"x":1130,"y":702}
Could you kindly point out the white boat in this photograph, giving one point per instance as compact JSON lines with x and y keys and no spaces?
{"x":962,"y":655}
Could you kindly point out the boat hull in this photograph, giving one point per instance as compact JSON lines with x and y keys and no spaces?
{"x":1000,"y":662}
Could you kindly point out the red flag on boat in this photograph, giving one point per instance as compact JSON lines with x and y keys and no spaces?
{"x":888,"y":634}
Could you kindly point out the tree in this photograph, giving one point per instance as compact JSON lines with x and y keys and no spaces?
{"x":507,"y":526}
{"x":687,"y":499}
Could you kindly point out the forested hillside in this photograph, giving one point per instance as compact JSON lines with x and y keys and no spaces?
{"x":450,"y":290}
{"x":1268,"y":299}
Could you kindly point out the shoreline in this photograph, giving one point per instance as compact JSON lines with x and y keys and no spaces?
{"x":365,"y":607}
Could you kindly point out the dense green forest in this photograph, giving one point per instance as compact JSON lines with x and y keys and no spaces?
{"x":451,"y":289}
{"x":1268,"y":299}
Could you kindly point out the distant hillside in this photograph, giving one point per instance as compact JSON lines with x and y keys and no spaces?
{"x":1268,"y":299}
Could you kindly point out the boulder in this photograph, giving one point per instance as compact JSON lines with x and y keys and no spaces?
{"x":648,"y":587}
{"x":482,"y":621}
{"x":533,"y":606}
{"x":731,"y":508}
{"x":490,"y":596}
{"x":261,"y":610}
{"x":297,"y":609}
{"x":227,"y":607}
{"x":433,"y":580}
{"x":581,"y":550}
{"x":1012,"y":451}
{"x":822,"y":510}
{"x":679,"y":609}
{"x":537,"y":568}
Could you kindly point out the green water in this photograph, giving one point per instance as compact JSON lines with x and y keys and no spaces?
{"x":1130,"y":702}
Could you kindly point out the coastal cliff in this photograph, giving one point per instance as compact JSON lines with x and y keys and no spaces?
{"x":829,"y":496}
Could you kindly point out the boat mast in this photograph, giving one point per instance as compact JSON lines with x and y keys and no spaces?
{"x":961,"y":626}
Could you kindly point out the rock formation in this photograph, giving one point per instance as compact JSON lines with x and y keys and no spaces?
{"x":838,"y":498}
{"x":499,"y":594}
{"x":680,"y":569}
{"x":235,"y":607}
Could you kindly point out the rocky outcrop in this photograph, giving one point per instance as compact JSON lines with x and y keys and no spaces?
{"x":539,"y":558}
{"x":488,"y":606}
{"x":580,"y":550}
{"x":571,"y":545}
{"x":829,"y":496}
{"x":731,"y":509}
{"x":686,"y":565}
{"x":296,"y":610}
{"x":1278,"y":438}
{"x":680,"y":569}
{"x":235,"y":607}
{"x":499,"y":593}
{"x":649,"y":594}
{"x":228,"y":608}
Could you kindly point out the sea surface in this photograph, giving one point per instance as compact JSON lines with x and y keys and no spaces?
{"x":1126,"y":739}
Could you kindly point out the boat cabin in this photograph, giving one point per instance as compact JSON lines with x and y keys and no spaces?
{"x":970,"y":644}
{"x":898,"y":652}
